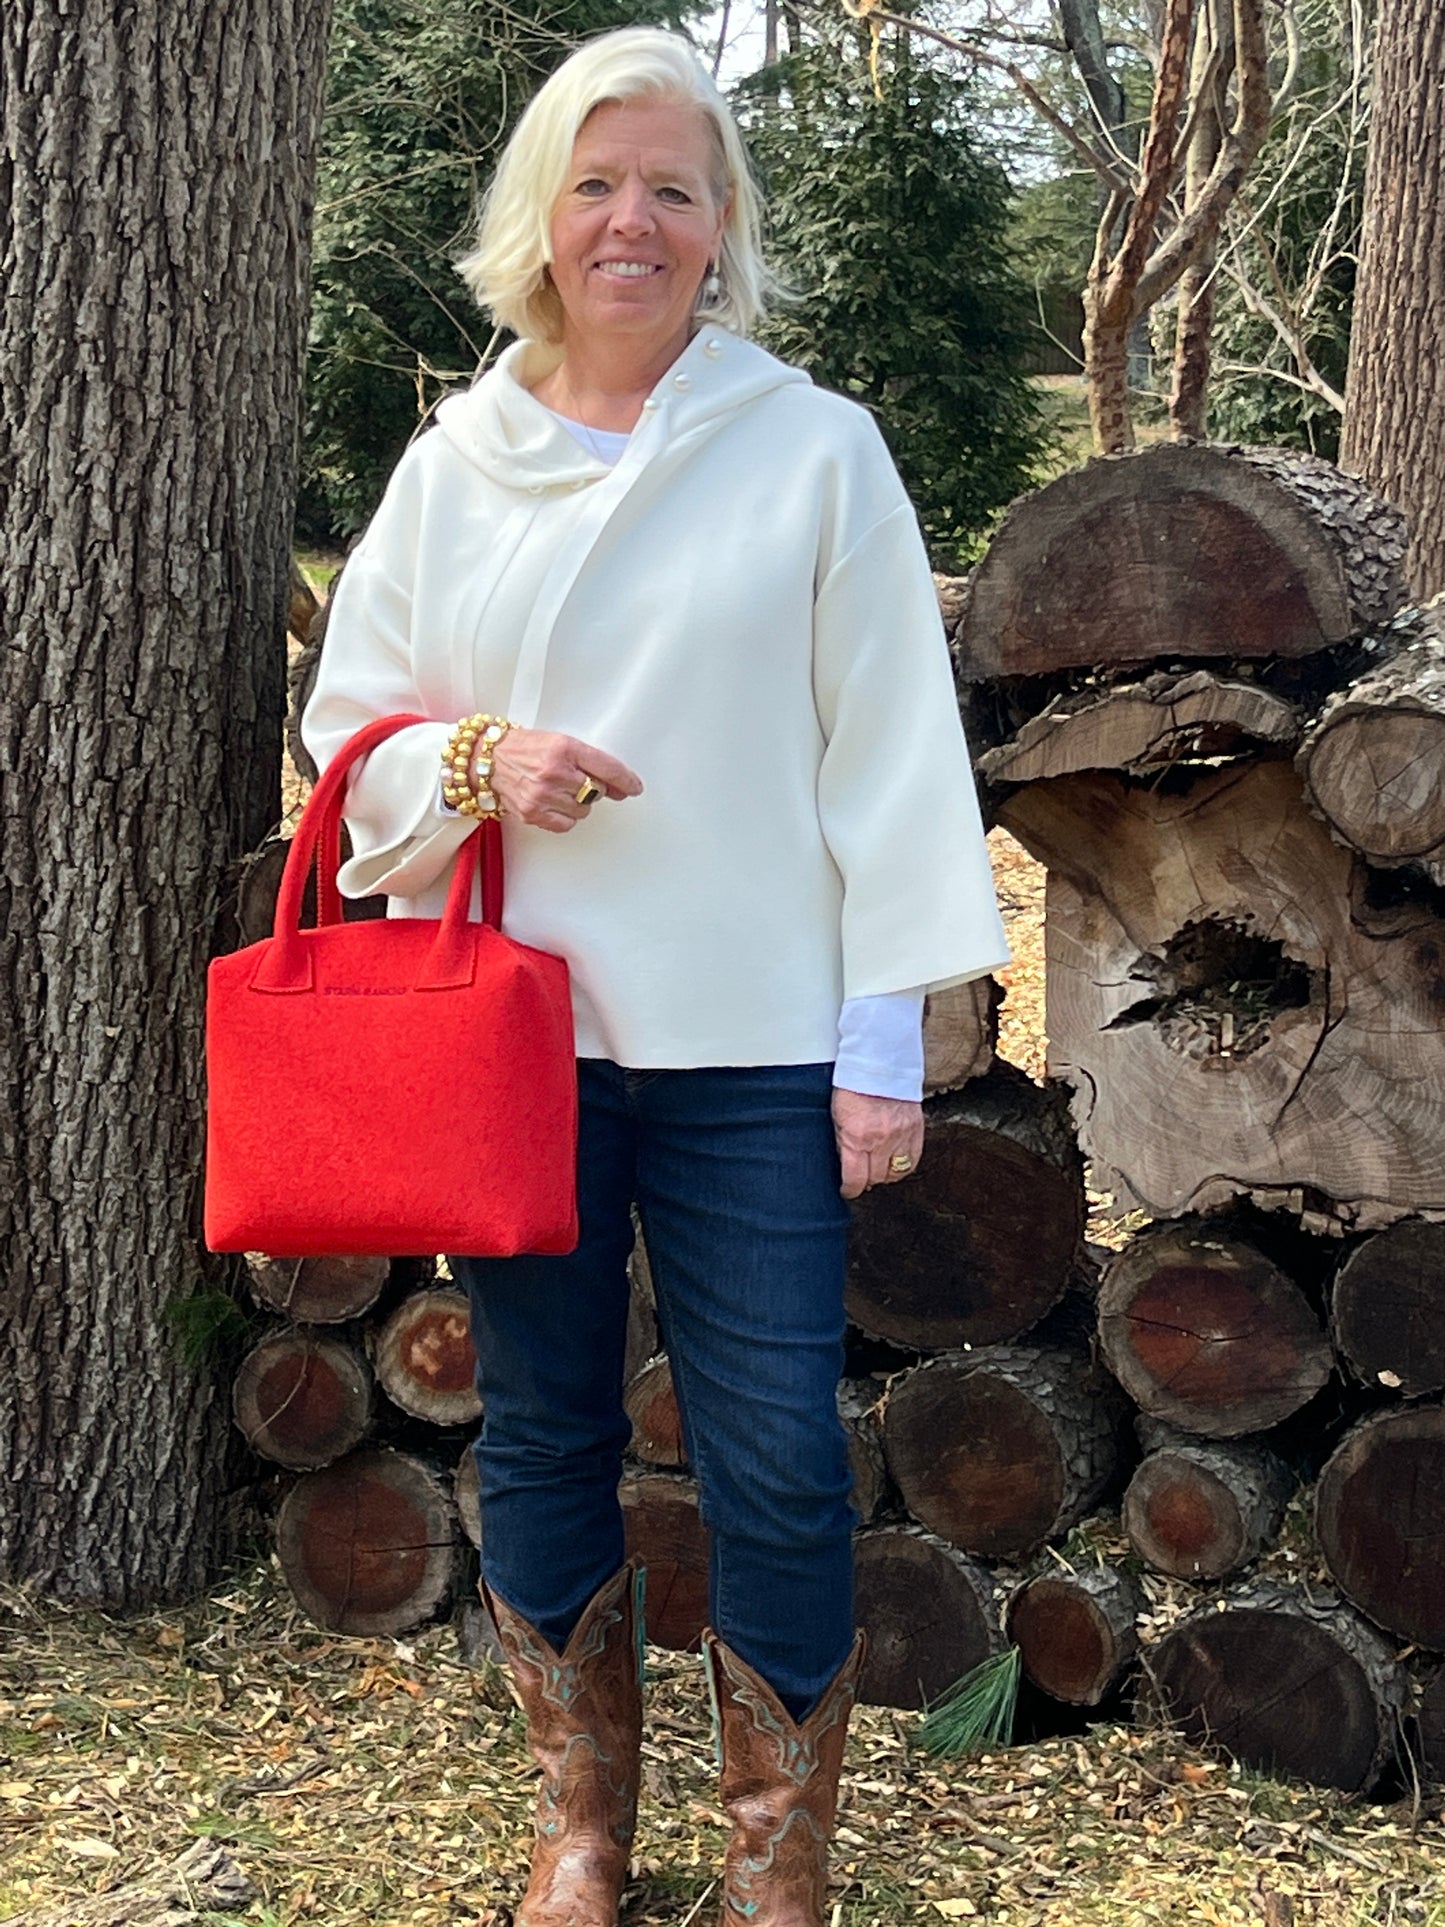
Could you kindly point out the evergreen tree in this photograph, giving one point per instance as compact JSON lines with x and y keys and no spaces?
{"x":889,"y":222}
{"x":423,"y":95}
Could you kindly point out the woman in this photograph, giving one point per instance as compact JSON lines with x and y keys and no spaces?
{"x":689,"y":587}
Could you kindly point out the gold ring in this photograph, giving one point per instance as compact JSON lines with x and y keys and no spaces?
{"x":900,"y":1163}
{"x":588,"y":791}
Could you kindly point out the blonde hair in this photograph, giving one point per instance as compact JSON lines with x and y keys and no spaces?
{"x":507,"y":270}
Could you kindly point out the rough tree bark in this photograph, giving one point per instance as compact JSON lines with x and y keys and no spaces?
{"x":1394,"y":430}
{"x":155,"y":201}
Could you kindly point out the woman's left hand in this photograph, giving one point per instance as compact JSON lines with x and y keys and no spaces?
{"x":872,"y":1131}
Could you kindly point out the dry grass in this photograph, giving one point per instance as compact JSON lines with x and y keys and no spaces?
{"x":359,"y":1780}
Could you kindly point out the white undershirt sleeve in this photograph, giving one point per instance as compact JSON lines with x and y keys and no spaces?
{"x":880,"y":1045}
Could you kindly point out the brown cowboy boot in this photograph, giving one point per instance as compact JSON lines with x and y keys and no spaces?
{"x":584,"y":1729}
{"x":780,"y":1787}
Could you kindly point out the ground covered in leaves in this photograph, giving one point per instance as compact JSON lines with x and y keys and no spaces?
{"x":357,"y":1780}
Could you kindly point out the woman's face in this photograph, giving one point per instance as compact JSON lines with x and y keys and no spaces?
{"x":636,"y":227}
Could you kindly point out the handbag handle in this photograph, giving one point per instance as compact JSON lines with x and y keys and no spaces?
{"x":286,"y":964}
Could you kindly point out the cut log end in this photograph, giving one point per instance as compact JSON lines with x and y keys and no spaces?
{"x":1380,"y":1520}
{"x":317,"y":1291}
{"x":424,"y":1358}
{"x":663,"y":1528}
{"x":303,"y":1398}
{"x":930,"y":1615}
{"x":1076,"y":1632}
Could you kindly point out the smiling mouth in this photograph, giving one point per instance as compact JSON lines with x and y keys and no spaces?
{"x":628,"y":270}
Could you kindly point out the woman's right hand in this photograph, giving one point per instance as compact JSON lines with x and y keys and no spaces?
{"x":537,"y":773}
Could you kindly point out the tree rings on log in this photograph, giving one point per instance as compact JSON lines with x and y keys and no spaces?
{"x":931,"y":1615}
{"x":1283,"y":1681}
{"x":1388,"y":1311}
{"x":976,"y":1246}
{"x":369,"y":1545}
{"x":650,"y":1401}
{"x":1373,"y":762}
{"x":1138,"y":726}
{"x":424,"y":1359}
{"x":960,"y":1032}
{"x":663,"y":1528}
{"x":858,"y":1409}
{"x":1380,"y":1521}
{"x":1199,"y":1509}
{"x":1229,"y":1021}
{"x":317,"y":1291}
{"x":1076,"y":1631}
{"x":1193,"y":550}
{"x":1000,"y":1449}
{"x":303,"y":1397}
{"x":1201,"y":1329}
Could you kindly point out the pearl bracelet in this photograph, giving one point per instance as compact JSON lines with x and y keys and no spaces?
{"x":467,"y":783}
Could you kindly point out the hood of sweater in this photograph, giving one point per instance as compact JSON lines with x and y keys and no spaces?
{"x":516,"y":441}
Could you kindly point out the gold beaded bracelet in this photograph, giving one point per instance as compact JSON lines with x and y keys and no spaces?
{"x":467,"y":784}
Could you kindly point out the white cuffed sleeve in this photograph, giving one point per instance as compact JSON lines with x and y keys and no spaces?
{"x":402,"y":834}
{"x":880,"y":1046}
{"x":896,"y":796}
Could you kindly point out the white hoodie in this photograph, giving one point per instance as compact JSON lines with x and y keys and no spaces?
{"x":741,"y":610}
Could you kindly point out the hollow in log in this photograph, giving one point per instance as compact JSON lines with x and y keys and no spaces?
{"x":1201,"y":1329}
{"x":424,"y":1359}
{"x":303,"y":1397}
{"x":1380,"y":1521}
{"x":1000,"y":1449}
{"x":1185,"y":551}
{"x":1201,"y":1509}
{"x":1373,"y":762}
{"x":650,"y":1402}
{"x":1075,"y":1630}
{"x":1138,"y":726}
{"x":1388,"y":1309}
{"x":369,"y":1544}
{"x":1285,"y":1681}
{"x":318,"y":1291}
{"x":976,"y":1246}
{"x":663,"y":1528}
{"x":930,"y":1614}
{"x":1232,"y":1014}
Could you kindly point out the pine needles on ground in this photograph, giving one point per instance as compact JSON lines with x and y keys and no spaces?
{"x":976,"y":1711}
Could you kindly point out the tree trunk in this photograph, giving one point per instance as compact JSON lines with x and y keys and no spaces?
{"x":1388,"y":1310}
{"x":1185,"y":552}
{"x":155,"y":200}
{"x":650,"y":1401}
{"x":1285,"y":1681}
{"x":858,"y":1409}
{"x":1075,"y":1631}
{"x":1201,"y":1329}
{"x":369,"y":1545}
{"x":664,"y":1529}
{"x":1380,"y":1521}
{"x":1001,"y":1449}
{"x":1372,"y":761}
{"x":1143,"y":725}
{"x":424,"y":1359}
{"x":1394,"y":430}
{"x":304,"y":1398}
{"x":1199,"y":1509}
{"x":1235,"y":1014}
{"x":319,"y":1291}
{"x":931,"y":1615}
{"x":977,"y":1246}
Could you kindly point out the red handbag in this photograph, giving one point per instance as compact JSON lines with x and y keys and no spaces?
{"x":392,"y":1087}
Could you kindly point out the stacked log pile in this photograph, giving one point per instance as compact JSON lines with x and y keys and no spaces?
{"x":1196,"y":696}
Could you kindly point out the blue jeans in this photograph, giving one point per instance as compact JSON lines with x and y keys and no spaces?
{"x":735,"y":1176}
